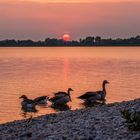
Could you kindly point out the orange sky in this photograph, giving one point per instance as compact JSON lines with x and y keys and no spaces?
{"x":69,"y":1}
{"x":24,"y":19}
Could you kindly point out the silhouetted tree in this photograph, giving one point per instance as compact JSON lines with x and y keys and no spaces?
{"x":89,"y":40}
{"x":97,"y":40}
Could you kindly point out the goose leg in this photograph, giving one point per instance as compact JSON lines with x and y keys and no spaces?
{"x":103,"y":101}
{"x":29,"y":120}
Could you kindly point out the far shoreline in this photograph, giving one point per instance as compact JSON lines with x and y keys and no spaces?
{"x":127,"y":46}
{"x":90,"y":41}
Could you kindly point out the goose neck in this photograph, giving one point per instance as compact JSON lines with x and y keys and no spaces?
{"x":103,"y":86}
{"x":68,"y":92}
{"x":69,"y":95}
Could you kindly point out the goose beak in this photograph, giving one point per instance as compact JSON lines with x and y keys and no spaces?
{"x":71,"y":89}
{"x":20,"y":97}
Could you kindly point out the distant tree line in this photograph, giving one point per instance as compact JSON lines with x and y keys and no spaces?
{"x":88,"y":41}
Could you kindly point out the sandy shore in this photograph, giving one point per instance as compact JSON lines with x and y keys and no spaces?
{"x":94,"y":123}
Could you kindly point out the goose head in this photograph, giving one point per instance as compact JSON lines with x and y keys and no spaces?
{"x":23,"y":97}
{"x":105,"y":82}
{"x":70,"y":89}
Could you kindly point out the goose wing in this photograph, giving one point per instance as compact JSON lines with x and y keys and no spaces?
{"x":60,"y":94}
{"x":38,"y":99}
{"x":55,"y":98}
{"x":29,"y":101}
{"x":90,"y":94}
{"x":87,"y":95}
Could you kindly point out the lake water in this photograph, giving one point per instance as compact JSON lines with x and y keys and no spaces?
{"x":43,"y":71}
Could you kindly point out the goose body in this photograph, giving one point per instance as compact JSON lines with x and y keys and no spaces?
{"x":58,"y":100}
{"x":60,"y":93}
{"x":94,"y":96}
{"x":27,"y":104}
{"x":42,"y":100}
{"x":27,"y":107}
{"x":90,"y":95}
{"x":61,"y":98}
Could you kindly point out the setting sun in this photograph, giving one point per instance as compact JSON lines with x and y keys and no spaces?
{"x":66,"y":37}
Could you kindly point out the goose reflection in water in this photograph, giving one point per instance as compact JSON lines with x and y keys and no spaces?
{"x":91,"y":104}
{"x":61,"y":107}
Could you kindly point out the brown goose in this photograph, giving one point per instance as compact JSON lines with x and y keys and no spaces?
{"x":42,"y":100}
{"x":61,"y":98}
{"x":62,"y":93}
{"x":93,"y":96}
{"x":27,"y":104}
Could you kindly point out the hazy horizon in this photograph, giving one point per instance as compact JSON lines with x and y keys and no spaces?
{"x":38,"y":19}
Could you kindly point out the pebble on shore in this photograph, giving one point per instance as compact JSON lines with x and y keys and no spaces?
{"x":93,"y":123}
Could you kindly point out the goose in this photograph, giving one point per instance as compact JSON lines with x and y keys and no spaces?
{"x":92,"y":97}
{"x":42,"y":100}
{"x":61,"y":98}
{"x":62,"y":93}
{"x":28,"y":105}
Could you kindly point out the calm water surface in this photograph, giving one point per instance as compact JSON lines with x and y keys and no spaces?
{"x":42,"y":71}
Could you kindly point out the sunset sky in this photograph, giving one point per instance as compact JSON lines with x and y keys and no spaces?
{"x":39,"y":19}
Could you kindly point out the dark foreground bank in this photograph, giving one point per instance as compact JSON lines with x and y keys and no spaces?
{"x":95,"y":123}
